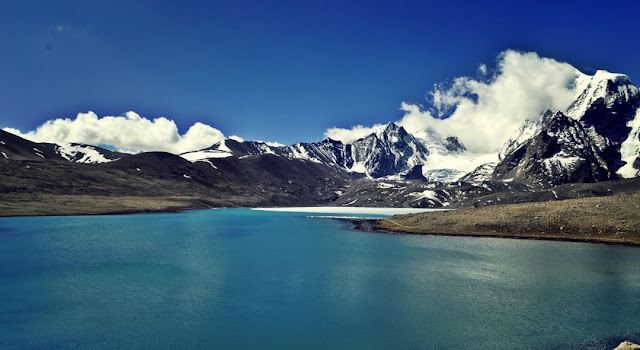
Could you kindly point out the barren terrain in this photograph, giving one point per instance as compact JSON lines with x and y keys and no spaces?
{"x":609,"y":219}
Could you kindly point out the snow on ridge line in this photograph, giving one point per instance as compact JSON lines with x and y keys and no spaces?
{"x":203,"y":155}
{"x":350,"y":210}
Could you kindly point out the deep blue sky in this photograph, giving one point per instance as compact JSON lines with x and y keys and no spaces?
{"x":280,"y":70}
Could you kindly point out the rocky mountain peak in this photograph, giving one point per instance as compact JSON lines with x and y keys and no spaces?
{"x":392,"y":133}
{"x":598,"y":136}
{"x":559,"y":151}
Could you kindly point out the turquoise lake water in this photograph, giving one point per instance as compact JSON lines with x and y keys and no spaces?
{"x":242,"y":279}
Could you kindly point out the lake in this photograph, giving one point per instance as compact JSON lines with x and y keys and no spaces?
{"x":243,"y":279}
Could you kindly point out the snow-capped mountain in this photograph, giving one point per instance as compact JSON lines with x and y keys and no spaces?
{"x":609,"y":89}
{"x":608,"y":108}
{"x":389,"y":151}
{"x":597,"y":138}
{"x":560,"y":152}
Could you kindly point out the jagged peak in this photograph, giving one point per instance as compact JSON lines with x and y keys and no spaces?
{"x":391,"y":132}
{"x":390,"y":127}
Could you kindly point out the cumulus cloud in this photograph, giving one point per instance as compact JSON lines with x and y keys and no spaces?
{"x":129,"y":132}
{"x":485,"y":111}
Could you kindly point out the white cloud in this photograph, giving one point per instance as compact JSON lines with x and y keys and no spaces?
{"x":350,"y":135}
{"x":485,"y":111}
{"x":129,"y":132}
{"x":482,"y":69}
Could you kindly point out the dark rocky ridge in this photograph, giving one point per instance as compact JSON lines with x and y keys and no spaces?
{"x":264,"y":180}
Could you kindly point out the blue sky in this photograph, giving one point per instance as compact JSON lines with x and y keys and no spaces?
{"x":280,"y":70}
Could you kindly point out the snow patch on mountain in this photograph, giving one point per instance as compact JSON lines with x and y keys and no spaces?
{"x":424,"y":194}
{"x":301,"y":153}
{"x":358,"y":167}
{"x":74,"y":152}
{"x":561,"y":161}
{"x":630,"y":149}
{"x":203,"y":155}
{"x":223,"y":147}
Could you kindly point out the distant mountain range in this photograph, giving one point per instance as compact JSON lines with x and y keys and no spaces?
{"x":596,"y":139}
{"x":389,"y":152}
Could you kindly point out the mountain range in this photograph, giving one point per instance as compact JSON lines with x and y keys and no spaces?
{"x":596,"y":139}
